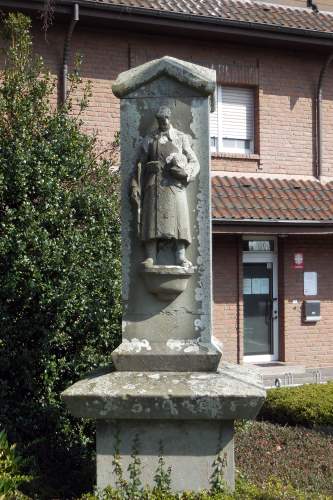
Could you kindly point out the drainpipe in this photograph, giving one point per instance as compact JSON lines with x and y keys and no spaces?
{"x":64,"y":75}
{"x":319,"y":117}
{"x":239,"y":261}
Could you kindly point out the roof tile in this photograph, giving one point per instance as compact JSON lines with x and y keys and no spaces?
{"x":241,"y":198}
{"x":256,"y":13}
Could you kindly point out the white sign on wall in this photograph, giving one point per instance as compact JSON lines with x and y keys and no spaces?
{"x":310,"y":283}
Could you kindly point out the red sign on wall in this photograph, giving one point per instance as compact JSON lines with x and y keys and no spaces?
{"x":298,"y":262}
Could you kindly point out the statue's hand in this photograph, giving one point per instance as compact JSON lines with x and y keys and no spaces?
{"x":152,"y":167}
{"x":178,"y":172}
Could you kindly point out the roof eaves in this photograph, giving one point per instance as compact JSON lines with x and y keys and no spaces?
{"x":210,"y":20}
{"x":286,"y":222}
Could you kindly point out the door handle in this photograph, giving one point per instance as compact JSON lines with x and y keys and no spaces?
{"x":269,"y":311}
{"x":275,"y":313}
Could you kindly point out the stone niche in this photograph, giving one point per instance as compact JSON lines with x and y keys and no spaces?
{"x":167,"y":308}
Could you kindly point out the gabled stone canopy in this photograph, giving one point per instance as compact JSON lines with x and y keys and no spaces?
{"x":191,"y":75}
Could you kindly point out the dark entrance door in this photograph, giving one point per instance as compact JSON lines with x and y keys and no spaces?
{"x":258,"y":307}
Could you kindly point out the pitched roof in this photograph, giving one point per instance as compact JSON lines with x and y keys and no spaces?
{"x":257,"y":199}
{"x":243,"y":11}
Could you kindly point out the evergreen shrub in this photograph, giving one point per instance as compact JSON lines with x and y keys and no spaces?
{"x":59,"y":264}
{"x":308,"y":405}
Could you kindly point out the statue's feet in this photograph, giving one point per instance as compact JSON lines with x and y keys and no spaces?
{"x":184,"y":262}
{"x":149,"y":262}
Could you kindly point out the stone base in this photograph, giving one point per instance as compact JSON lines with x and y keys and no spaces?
{"x":232,"y":392}
{"x":188,"y":447}
{"x":190,"y":414}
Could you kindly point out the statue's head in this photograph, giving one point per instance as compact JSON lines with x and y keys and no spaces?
{"x":163,"y":118}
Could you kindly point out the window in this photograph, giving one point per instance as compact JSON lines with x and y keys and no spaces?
{"x":232,"y":123}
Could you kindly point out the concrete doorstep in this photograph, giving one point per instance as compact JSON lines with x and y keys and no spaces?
{"x":279,"y":374}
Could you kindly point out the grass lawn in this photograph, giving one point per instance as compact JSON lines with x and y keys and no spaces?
{"x":295,"y":455}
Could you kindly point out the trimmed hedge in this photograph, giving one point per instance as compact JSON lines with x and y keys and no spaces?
{"x":308,"y":405}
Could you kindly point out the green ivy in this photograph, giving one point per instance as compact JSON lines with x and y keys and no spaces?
{"x":59,"y":263}
{"x":162,"y":477}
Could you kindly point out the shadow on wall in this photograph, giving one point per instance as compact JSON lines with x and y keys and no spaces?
{"x":225,"y":269}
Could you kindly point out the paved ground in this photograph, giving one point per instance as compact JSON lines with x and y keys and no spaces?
{"x":278,"y":374}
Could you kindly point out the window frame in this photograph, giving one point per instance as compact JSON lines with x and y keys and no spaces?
{"x":218,"y":148}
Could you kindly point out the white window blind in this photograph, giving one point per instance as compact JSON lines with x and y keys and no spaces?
{"x":232,"y":124}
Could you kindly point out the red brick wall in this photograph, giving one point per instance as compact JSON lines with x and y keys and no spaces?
{"x":310,"y":344}
{"x":221,"y":163}
{"x":285,"y":81}
{"x":227,"y":307}
{"x":104,"y":56}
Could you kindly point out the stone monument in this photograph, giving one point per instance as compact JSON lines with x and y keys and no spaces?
{"x":166,"y":390}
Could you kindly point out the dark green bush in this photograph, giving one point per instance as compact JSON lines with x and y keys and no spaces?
{"x":308,"y":405}
{"x":59,"y":265}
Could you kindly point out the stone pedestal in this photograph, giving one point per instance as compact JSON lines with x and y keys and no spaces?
{"x":190,"y":416}
{"x":189,"y":447}
{"x":166,"y":394}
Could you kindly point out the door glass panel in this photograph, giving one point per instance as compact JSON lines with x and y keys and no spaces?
{"x":258,"y":302}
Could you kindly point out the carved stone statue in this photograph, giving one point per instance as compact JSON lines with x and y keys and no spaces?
{"x":165,"y":166}
{"x":165,"y":385}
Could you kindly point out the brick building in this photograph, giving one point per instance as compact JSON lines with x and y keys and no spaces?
{"x":271,"y":144}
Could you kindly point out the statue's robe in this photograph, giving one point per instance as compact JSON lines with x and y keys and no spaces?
{"x":164,"y":205}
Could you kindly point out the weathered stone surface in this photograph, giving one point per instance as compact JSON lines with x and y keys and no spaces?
{"x":232,"y":392}
{"x":166,"y":282}
{"x":191,"y":75}
{"x":160,"y":305}
{"x":188,"y":447}
{"x":173,"y":355}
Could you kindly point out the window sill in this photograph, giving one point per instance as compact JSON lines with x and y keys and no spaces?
{"x":235,"y":156}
